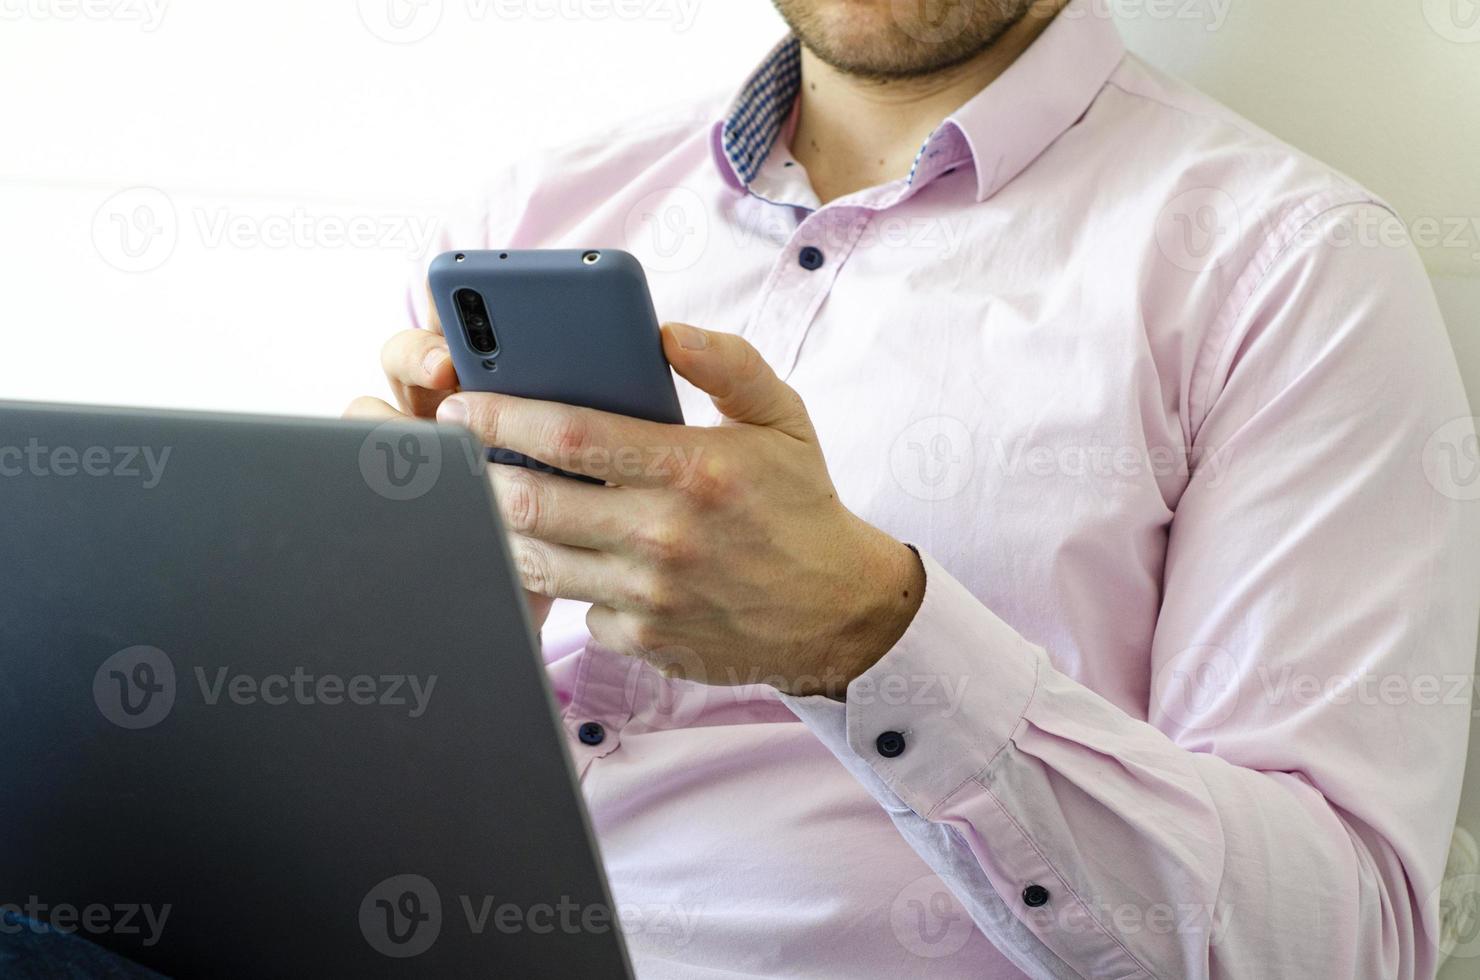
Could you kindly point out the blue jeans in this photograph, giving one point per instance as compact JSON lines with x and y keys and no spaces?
{"x":32,"y":951}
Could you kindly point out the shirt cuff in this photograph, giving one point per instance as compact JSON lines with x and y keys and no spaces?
{"x":936,"y":709}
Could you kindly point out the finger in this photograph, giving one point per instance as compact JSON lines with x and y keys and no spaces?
{"x":614,"y":448}
{"x":559,"y":510}
{"x":563,"y":572}
{"x":634,"y":635}
{"x":736,"y":377}
{"x":372,"y":409}
{"x":615,"y":630}
{"x":418,"y":359}
{"x":434,"y":319}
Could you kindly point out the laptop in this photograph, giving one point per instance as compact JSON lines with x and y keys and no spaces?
{"x":271,"y":705}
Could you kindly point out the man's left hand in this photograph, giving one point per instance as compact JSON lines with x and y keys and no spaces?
{"x":723,"y":546}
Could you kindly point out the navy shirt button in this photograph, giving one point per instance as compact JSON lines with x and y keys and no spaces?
{"x":591,"y":733}
{"x":1035,"y":896}
{"x":890,"y":744}
{"x":810,"y":257}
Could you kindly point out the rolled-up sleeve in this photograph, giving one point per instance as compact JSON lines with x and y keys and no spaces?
{"x":1284,"y":805}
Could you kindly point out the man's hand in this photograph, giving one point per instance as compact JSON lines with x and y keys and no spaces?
{"x":419,"y":368}
{"x":722,"y":552}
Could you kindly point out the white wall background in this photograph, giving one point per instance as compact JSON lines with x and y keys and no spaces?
{"x":217,"y":128}
{"x":248,"y":136}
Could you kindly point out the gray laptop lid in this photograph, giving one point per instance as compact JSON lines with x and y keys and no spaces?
{"x":271,"y":705}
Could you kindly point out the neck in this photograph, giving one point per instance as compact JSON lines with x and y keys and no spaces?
{"x":854,"y":132}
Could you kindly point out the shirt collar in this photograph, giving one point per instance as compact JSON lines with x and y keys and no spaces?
{"x":1005,"y":126}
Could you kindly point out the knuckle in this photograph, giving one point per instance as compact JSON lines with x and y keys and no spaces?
{"x":567,"y":437}
{"x":533,"y":565}
{"x":712,"y":483}
{"x":665,"y":543}
{"x":658,"y":594}
{"x":485,"y":417}
{"x":524,"y":502}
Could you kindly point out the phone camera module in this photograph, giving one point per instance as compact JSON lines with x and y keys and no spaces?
{"x":476,"y":322}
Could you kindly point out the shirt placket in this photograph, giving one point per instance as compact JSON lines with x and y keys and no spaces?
{"x":600,"y":707}
{"x":800,"y":281}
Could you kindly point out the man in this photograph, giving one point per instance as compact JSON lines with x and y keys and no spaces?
{"x":1157,"y":404}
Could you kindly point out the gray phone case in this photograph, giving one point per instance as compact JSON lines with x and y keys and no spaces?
{"x":569,"y":330}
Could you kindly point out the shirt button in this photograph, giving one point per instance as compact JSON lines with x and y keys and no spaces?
{"x":1035,"y":896}
{"x":591,"y":733}
{"x":890,"y":744}
{"x":810,"y":257}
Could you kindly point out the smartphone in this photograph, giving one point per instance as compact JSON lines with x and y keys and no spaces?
{"x":566,"y":325}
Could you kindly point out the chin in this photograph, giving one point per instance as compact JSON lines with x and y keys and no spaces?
{"x":898,"y":38}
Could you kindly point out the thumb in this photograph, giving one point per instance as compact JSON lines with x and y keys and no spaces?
{"x":733,"y":373}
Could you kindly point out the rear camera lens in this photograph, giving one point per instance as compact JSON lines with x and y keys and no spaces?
{"x":476,"y":323}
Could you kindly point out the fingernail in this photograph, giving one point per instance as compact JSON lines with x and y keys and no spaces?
{"x":453,"y":411}
{"x":689,"y":338}
{"x":433,"y":360}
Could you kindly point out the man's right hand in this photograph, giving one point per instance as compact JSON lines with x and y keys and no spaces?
{"x":419,"y":368}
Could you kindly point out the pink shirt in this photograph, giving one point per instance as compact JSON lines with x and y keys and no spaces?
{"x":1170,"y":412}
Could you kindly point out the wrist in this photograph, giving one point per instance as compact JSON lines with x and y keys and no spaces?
{"x":892,"y":586}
